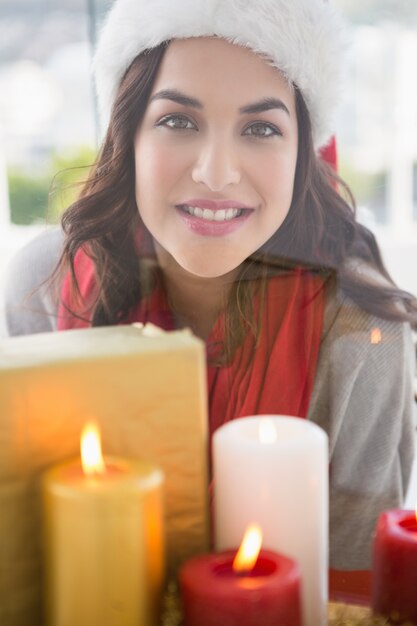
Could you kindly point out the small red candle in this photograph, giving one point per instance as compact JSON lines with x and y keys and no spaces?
{"x":394,"y":573}
{"x":213,"y":591}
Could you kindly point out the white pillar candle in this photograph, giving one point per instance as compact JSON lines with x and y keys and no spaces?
{"x":273,"y":471}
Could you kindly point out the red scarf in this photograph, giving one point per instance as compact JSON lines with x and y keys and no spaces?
{"x":275,"y":378}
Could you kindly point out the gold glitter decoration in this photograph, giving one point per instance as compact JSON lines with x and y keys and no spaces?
{"x":351,"y":615}
{"x":171,"y":606}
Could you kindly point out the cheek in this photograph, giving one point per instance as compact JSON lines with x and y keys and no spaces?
{"x":152,"y":166}
{"x":276,"y":178}
{"x":157,"y":167}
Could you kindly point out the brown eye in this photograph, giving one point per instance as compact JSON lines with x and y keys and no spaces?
{"x":177,"y":122}
{"x":261,"y":129}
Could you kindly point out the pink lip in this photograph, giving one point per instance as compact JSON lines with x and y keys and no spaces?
{"x":215,"y":205}
{"x":207,"y":228}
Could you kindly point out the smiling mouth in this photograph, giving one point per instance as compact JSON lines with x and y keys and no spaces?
{"x":220,"y":215}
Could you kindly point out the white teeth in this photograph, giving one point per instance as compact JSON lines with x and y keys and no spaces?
{"x":231,"y":213}
{"x":222,"y":215}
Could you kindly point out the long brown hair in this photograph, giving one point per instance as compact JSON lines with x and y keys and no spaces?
{"x":320,"y":231}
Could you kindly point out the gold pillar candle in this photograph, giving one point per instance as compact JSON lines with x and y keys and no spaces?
{"x":103,"y":544}
{"x":147,"y":390}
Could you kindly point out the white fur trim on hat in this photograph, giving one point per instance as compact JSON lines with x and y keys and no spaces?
{"x":305,"y":39}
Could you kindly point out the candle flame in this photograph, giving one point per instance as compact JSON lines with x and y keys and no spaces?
{"x":248,"y":552}
{"x":376,"y":336}
{"x":267,"y":431}
{"x":91,"y":456}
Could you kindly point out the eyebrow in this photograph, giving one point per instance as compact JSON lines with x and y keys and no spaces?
{"x":178,"y":97}
{"x":266,"y":104}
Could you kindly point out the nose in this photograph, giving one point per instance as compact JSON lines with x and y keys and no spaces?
{"x":217,"y":165}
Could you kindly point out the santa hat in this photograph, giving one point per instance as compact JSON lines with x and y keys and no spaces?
{"x":305,"y":39}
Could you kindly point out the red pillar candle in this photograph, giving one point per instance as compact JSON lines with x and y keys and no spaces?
{"x":394,"y":572}
{"x":213,"y":593}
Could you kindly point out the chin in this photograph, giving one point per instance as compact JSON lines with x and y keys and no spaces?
{"x":209,"y":270}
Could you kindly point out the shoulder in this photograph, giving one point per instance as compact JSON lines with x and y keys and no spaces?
{"x":343,"y":318}
{"x":365,"y":369}
{"x":30,"y":305}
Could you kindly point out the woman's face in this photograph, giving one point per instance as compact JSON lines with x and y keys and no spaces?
{"x":215,"y":155}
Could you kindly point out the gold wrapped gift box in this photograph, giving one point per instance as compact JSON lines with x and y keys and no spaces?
{"x":147,"y":390}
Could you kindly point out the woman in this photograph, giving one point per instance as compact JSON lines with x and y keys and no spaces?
{"x":208,"y":207}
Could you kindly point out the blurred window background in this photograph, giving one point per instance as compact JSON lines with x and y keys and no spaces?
{"x":377,"y":129}
{"x":48,"y":127}
{"x":48,"y":124}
